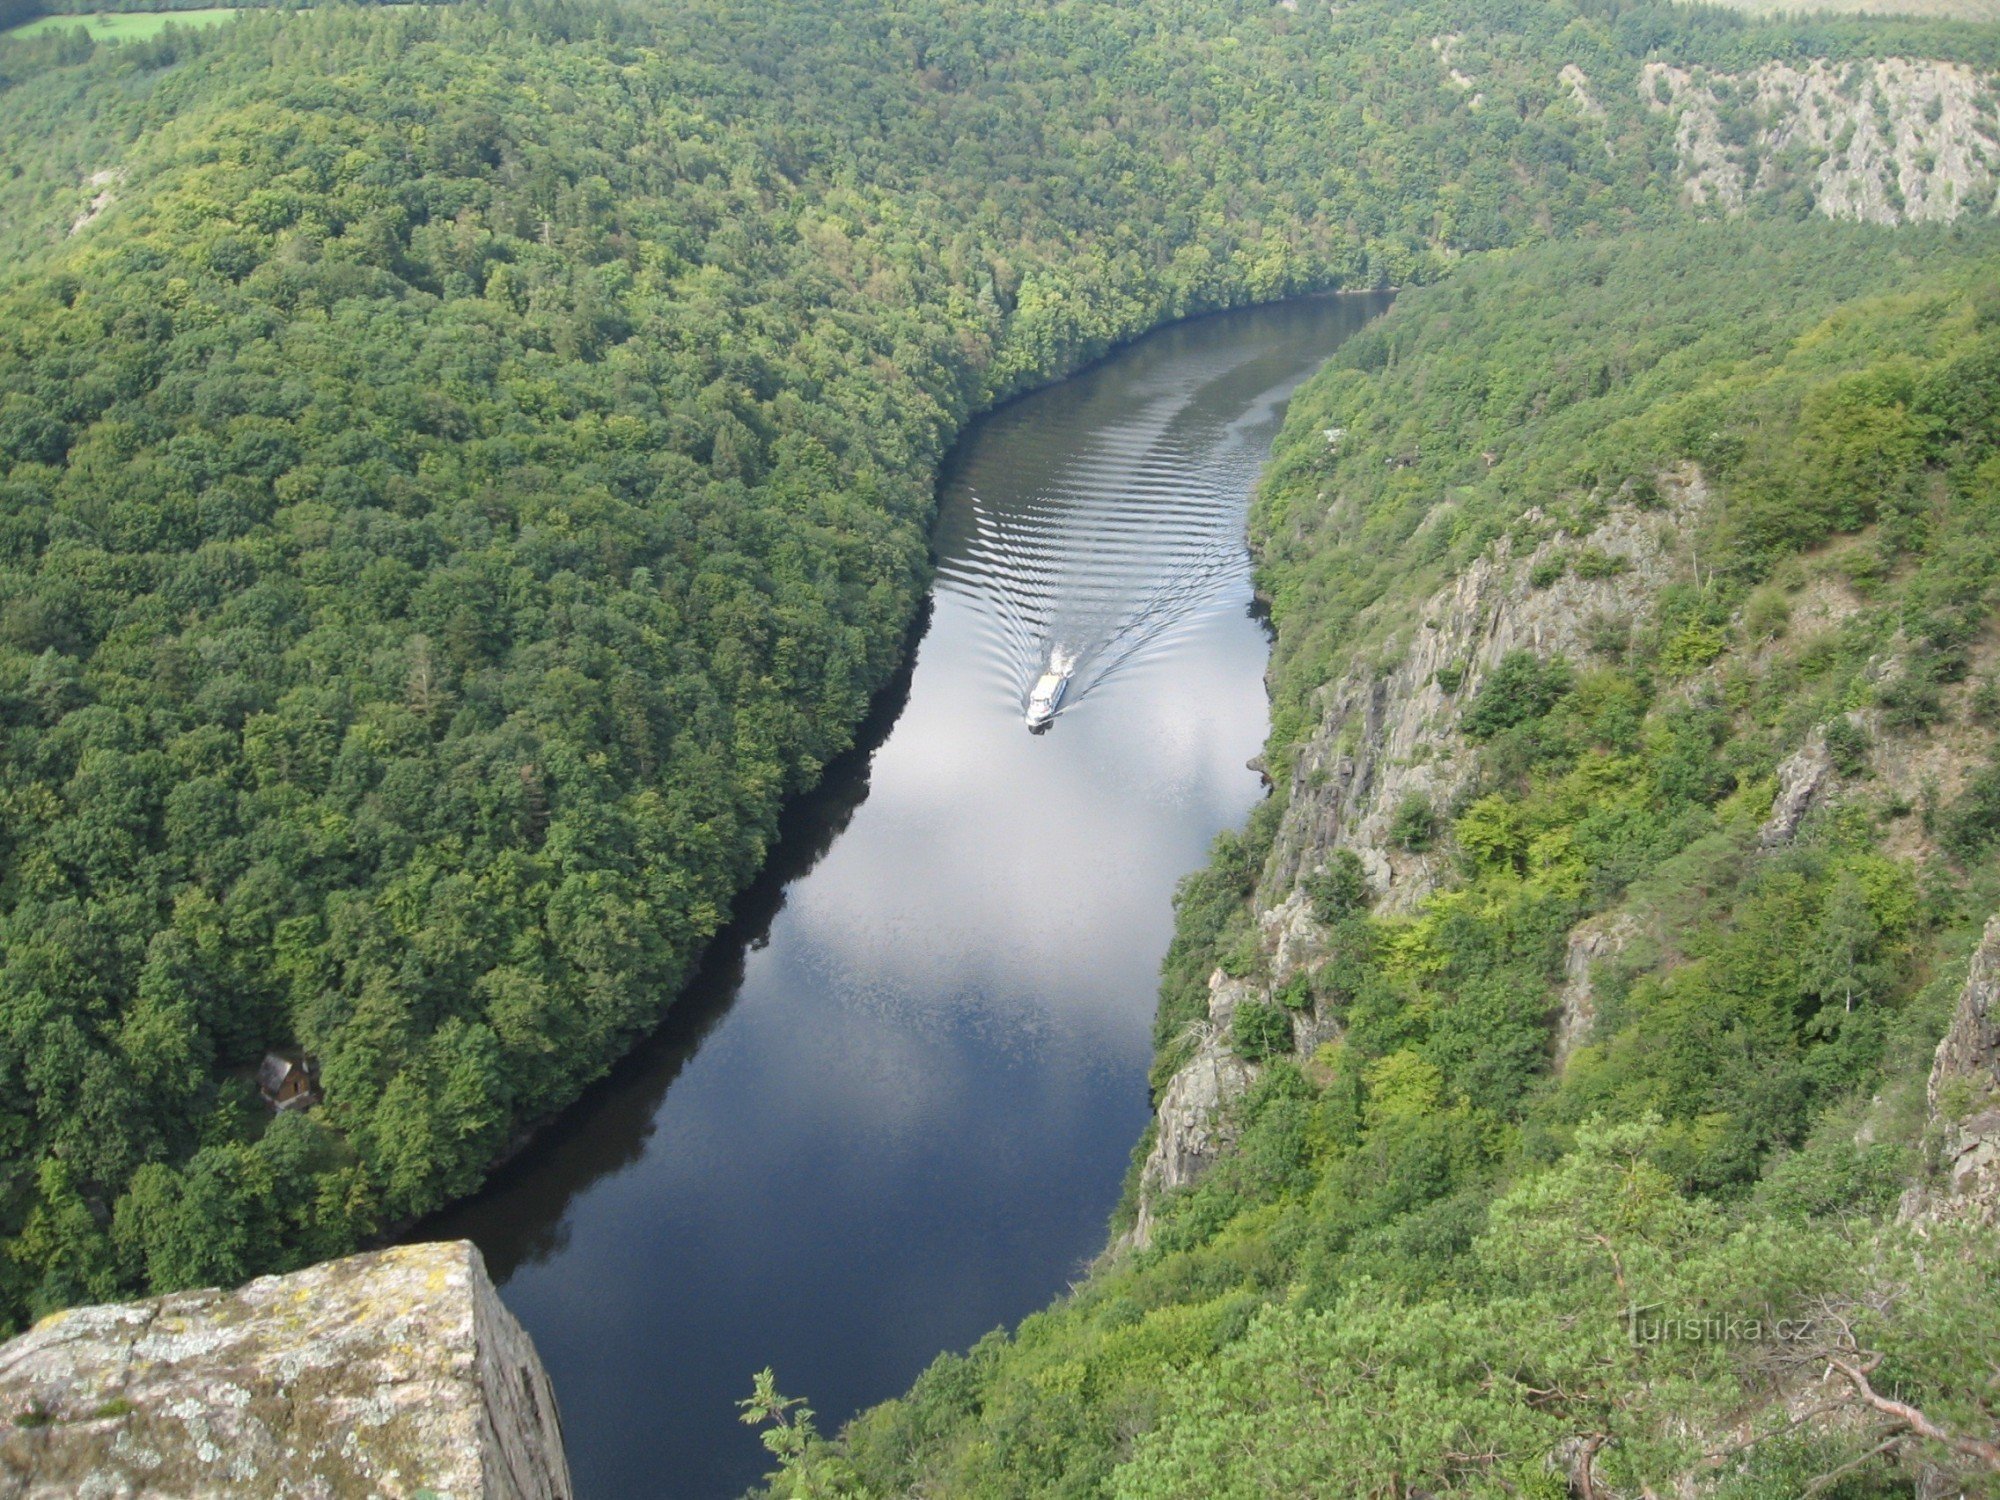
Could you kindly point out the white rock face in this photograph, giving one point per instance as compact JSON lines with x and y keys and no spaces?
{"x":1802,"y":780}
{"x":1577,"y":82}
{"x":1965,"y":1102}
{"x":397,"y":1373}
{"x":1892,"y":142}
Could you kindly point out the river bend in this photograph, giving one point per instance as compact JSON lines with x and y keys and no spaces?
{"x":895,"y":1108}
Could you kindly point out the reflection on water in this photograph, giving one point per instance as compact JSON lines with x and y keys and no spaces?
{"x":895,"y":1109}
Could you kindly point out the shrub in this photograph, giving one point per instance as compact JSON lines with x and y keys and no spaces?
{"x":1297,"y":992}
{"x":1414,"y":824}
{"x":1450,"y":677}
{"x":1691,"y":648}
{"x":1972,"y":821}
{"x":1520,"y":690}
{"x":1847,"y":746}
{"x":1260,"y":1031}
{"x":1767,"y":615}
{"x":1548,"y":570}
{"x":1593,"y":564}
{"x":1341,"y":890}
{"x":1985,"y":704}
{"x":1608,"y":635}
{"x":1909,"y":703}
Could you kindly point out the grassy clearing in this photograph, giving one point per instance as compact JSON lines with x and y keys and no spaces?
{"x":128,"y":26}
{"x":1947,"y":10}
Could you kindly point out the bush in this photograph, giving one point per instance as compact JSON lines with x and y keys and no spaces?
{"x":1521,"y":689}
{"x":1691,"y":648}
{"x":1296,"y":993}
{"x":1414,"y":825}
{"x":1972,"y":821}
{"x":1341,"y":890}
{"x":1767,"y":615}
{"x":1260,"y":1031}
{"x":1548,"y":570}
{"x":1909,"y":703}
{"x":1847,"y":746}
{"x":1985,"y":705}
{"x":1593,"y":564}
{"x":1450,"y":677}
{"x":1608,"y":635}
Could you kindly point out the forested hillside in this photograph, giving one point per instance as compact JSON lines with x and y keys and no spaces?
{"x":1635,"y":744}
{"x":461,"y":469}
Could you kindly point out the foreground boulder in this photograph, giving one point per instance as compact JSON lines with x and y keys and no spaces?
{"x":397,"y":1373}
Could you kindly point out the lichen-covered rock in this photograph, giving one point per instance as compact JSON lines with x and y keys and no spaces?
{"x":1590,"y":943}
{"x":397,"y":1373}
{"x":1965,"y":1102}
{"x":1292,"y":936}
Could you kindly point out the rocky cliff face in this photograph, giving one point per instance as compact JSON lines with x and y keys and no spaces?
{"x":1194,"y":1127}
{"x":1890,"y":142}
{"x":1387,"y":735}
{"x":392,"y":1374}
{"x":1964,"y":1099}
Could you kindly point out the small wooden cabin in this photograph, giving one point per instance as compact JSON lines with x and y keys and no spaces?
{"x":288,"y":1082}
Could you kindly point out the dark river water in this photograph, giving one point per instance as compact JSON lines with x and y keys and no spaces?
{"x":894,"y":1111}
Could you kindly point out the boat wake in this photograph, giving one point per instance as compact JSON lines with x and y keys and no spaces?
{"x":1110,"y":565}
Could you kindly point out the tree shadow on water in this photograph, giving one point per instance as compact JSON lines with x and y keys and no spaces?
{"x":521,"y":1216}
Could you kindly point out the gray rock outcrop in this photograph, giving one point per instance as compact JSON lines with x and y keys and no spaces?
{"x":1193,"y":1125}
{"x":1590,"y":943}
{"x":397,"y":1373}
{"x":1896,"y":141}
{"x":1964,"y":1099}
{"x":1801,"y":780}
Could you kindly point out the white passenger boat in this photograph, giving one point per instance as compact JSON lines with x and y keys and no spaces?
{"x":1047,"y":695}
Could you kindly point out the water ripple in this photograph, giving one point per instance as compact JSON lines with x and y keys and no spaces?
{"x":1119,"y":540}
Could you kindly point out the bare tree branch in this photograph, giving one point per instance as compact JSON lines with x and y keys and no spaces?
{"x":1970,"y":1447}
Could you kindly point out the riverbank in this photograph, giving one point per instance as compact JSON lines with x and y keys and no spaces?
{"x":902,"y":1105}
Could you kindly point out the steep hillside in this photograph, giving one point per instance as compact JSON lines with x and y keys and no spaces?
{"x":1546,"y":1087}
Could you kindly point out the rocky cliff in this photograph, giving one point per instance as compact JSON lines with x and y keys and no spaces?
{"x":1964,"y":1103}
{"x":397,"y":1373}
{"x":1388,"y":734}
{"x":1889,"y":142}
{"x":1388,"y":738}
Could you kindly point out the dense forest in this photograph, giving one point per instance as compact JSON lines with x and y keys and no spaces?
{"x":461,"y":469}
{"x":1416,"y":1269}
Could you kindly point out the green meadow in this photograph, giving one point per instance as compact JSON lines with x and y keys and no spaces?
{"x":129,"y":26}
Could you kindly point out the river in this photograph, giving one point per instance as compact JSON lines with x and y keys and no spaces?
{"x":895,"y":1109}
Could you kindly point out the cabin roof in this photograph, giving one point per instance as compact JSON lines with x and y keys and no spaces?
{"x":276,"y":1068}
